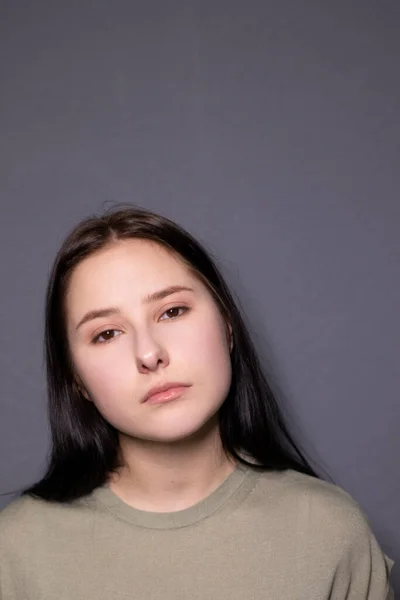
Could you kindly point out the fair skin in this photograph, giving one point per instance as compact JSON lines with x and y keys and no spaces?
{"x":172,"y":452}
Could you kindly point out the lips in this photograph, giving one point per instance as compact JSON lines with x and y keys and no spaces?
{"x":162,"y":390}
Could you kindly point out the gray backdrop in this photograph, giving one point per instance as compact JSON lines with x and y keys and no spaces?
{"x":271,"y":131}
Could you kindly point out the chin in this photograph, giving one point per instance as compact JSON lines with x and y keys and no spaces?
{"x":178,"y":431}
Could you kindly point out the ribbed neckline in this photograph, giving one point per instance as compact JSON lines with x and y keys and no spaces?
{"x":235,"y":487}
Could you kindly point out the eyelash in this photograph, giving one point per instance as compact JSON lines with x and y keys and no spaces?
{"x":95,"y":340}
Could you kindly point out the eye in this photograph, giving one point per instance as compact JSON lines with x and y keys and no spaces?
{"x":106,"y":336}
{"x":174,"y":312}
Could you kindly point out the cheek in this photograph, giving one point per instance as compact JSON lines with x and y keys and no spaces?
{"x":206,"y":353}
{"x":208,"y":345}
{"x":103,"y":371}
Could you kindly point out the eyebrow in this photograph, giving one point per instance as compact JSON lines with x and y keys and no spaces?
{"x":154,"y":297}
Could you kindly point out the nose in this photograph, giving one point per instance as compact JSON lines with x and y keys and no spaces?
{"x":150,"y":353}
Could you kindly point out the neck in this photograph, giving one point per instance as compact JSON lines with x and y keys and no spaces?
{"x":166,"y":477}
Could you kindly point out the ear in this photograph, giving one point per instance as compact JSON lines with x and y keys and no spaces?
{"x":230,"y":337}
{"x":81,"y":388}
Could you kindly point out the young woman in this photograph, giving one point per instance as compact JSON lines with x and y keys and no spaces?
{"x":172,"y":474}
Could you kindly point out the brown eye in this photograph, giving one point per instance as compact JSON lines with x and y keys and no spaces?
{"x":174,"y":312}
{"x":106,"y":336}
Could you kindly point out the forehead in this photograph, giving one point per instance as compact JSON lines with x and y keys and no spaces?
{"x":130,"y":266}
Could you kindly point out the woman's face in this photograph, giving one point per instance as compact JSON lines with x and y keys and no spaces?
{"x":137,"y":342}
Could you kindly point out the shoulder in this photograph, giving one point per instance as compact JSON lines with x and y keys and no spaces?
{"x":311,"y":496}
{"x":26,"y":519}
{"x":327,"y":502}
{"x":22,"y":515}
{"x":26,"y":509}
{"x":19,"y":524}
{"x":293,"y":485}
{"x":313,"y":509}
{"x":18,"y":512}
{"x":323,"y":515}
{"x":332,"y":510}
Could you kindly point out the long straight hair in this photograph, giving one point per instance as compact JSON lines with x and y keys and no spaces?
{"x":84,"y":446}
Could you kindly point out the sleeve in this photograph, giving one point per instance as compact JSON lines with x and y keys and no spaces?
{"x":363,"y":572}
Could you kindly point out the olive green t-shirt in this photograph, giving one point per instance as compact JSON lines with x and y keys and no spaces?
{"x":258,"y":536}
